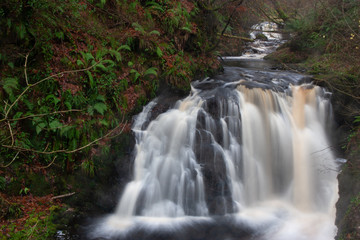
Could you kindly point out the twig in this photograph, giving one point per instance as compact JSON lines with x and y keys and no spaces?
{"x":238,"y":37}
{"x":49,"y":164}
{"x":11,"y":134}
{"x":11,"y":161}
{"x":63,"y":195}
{"x":25,"y":69}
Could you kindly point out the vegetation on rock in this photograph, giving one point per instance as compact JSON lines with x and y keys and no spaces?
{"x":72,"y":75}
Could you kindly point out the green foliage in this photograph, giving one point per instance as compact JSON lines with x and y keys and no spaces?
{"x":39,"y":225}
{"x":321,"y":29}
{"x":2,"y":183}
{"x":88,"y":167}
{"x":112,"y":64}
{"x":10,"y":84}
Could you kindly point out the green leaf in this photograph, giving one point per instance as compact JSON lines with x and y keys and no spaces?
{"x":151,"y":71}
{"x":11,"y":65}
{"x":91,"y":79}
{"x":17,"y":115}
{"x":155,"y":6}
{"x":65,"y":130}
{"x":101,"y":98}
{"x":130,"y":64}
{"x":101,"y":66}
{"x":55,"y":99}
{"x":88,"y":57}
{"x":110,"y":63}
{"x":104,"y":122}
{"x":100,"y":53}
{"x":40,"y":127}
{"x":155,"y":32}
{"x":60,"y":35}
{"x":68,"y":105}
{"x":357,"y":119}
{"x":186,"y":29}
{"x":137,"y":74}
{"x":138,"y":28}
{"x":115,"y":54}
{"x":100,"y":108}
{"x":29,"y":104}
{"x":80,"y":63}
{"x":90,"y":110}
{"x":55,"y":124}
{"x":159,"y":52}
{"x":124,"y":47}
{"x":10,"y":84}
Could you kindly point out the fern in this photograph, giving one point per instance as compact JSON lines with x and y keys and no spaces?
{"x":9,"y":85}
{"x":151,"y":71}
{"x":91,"y":79}
{"x":87,"y":56}
{"x":100,"y":53}
{"x":101,"y":66}
{"x":100,"y":107}
{"x":115,"y":54}
{"x":154,"y":32}
{"x":186,"y":29}
{"x":137,"y":74}
{"x":155,"y":6}
{"x":55,"y":124}
{"x":138,"y":28}
{"x":124,"y":47}
{"x":159,"y":52}
{"x":101,"y":98}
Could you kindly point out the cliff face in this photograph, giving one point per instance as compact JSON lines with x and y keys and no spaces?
{"x":348,"y":205}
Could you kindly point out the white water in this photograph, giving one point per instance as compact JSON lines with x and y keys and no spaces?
{"x":252,"y":160}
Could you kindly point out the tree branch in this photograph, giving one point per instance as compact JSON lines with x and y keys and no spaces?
{"x":5,"y":166}
{"x":49,"y":164}
{"x":11,"y":134}
{"x":25,"y":69}
{"x":63,"y":195}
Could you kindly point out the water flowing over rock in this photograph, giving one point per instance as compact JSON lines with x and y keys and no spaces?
{"x":244,"y":156}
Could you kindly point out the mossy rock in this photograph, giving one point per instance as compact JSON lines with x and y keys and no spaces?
{"x":261,"y":36}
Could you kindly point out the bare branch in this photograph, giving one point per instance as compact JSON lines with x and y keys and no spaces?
{"x":11,"y":134}
{"x":25,"y":69}
{"x":63,"y":195}
{"x":5,"y":166}
{"x":49,"y":164}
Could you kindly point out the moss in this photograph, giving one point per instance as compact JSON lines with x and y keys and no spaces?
{"x":261,"y":36}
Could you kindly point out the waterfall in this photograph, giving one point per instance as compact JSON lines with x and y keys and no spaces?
{"x":258,"y":155}
{"x":245,"y":156}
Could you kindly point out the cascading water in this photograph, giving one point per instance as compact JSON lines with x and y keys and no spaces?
{"x":245,"y":156}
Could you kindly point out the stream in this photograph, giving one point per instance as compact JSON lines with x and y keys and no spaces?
{"x":245,"y":156}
